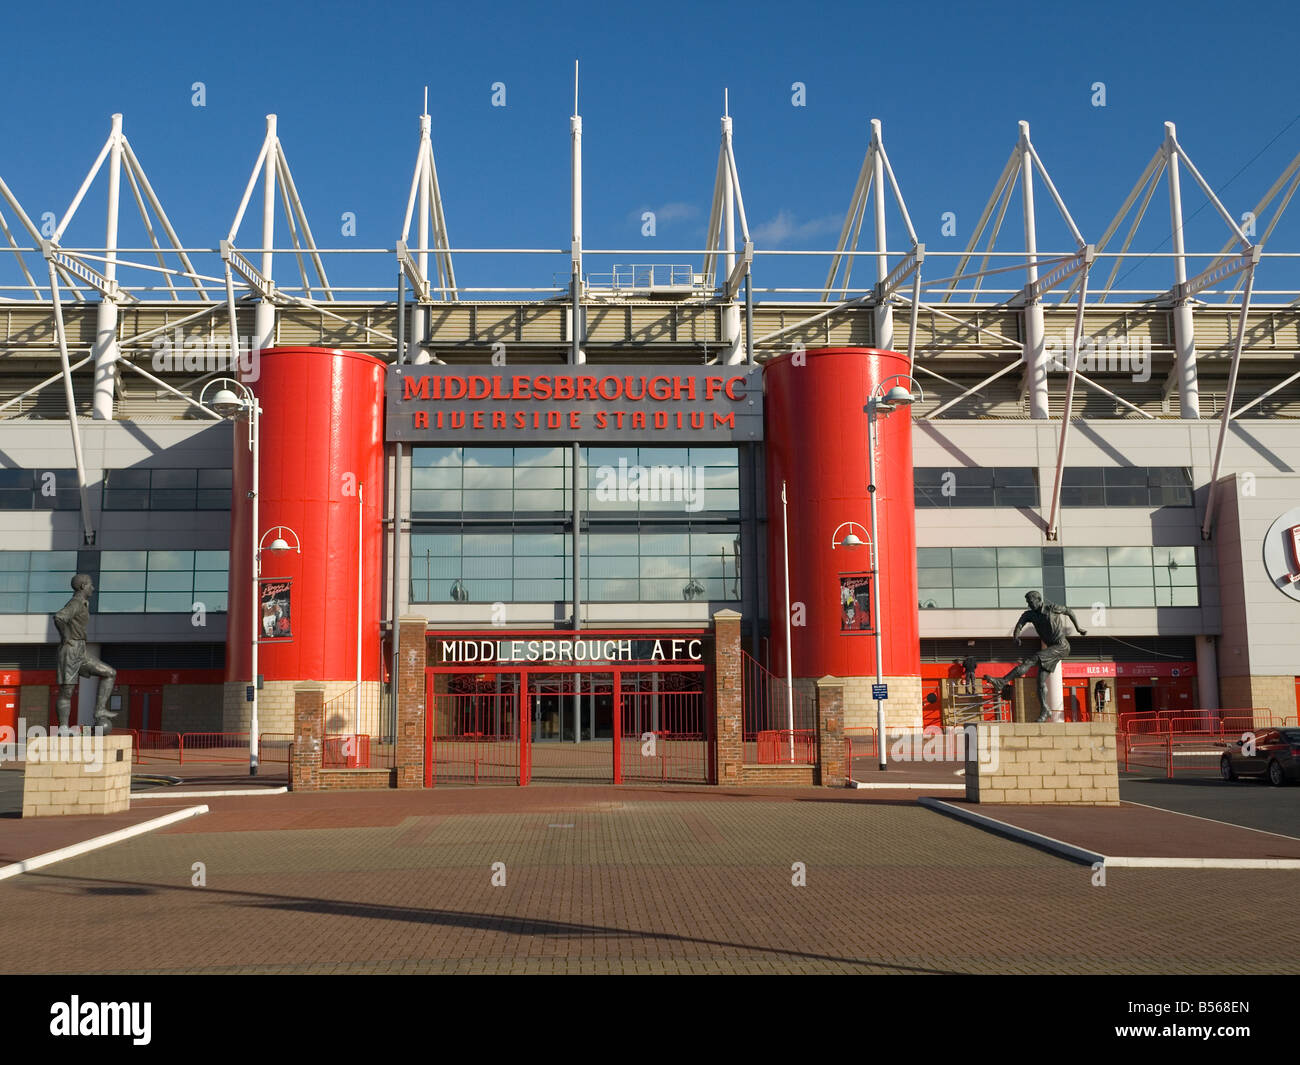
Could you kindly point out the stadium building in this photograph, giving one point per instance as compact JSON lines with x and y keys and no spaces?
{"x":569,"y":485}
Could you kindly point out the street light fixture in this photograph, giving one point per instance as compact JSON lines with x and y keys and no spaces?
{"x":231,"y":399}
{"x":887,"y":401}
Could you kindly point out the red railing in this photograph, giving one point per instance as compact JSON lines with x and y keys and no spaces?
{"x":275,"y":747}
{"x":766,"y":705}
{"x":475,"y":738}
{"x":1186,"y":742}
{"x":152,"y":745}
{"x":784,"y":747}
{"x":217,"y":747}
{"x":663,"y":737}
{"x":346,"y":752}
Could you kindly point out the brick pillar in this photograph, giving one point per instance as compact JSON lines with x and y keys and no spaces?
{"x":308,"y":732}
{"x":728,"y":695}
{"x":410,"y":702}
{"x":830,"y":732}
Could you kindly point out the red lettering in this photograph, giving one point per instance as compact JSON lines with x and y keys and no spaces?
{"x":661,"y":420}
{"x":479,"y":388}
{"x":602,"y":419}
{"x":552,"y":419}
{"x":573,"y":420}
{"x":458,"y":419}
{"x":660,"y":388}
{"x":522,"y":388}
{"x":521,"y":420}
{"x":732,"y":391}
{"x":478,"y":419}
{"x":453,"y":392}
{"x":711,"y":386}
{"x":563,"y":388}
{"x":618,"y":419}
{"x":683,"y":388}
{"x":697,"y":419}
{"x":413,"y":389}
{"x":541,"y":388}
{"x":587,"y":388}
{"x":638,"y":419}
{"x":728,"y":420}
{"x":422,"y":418}
{"x":497,"y":391}
{"x":609,"y":388}
{"x":498,"y":419}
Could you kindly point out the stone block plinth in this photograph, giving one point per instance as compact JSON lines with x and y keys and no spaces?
{"x":1069,"y":764}
{"x":77,"y":774}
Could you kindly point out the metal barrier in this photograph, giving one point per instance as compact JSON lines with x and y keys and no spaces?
{"x":153,"y":745}
{"x":784,"y":747}
{"x":275,"y":747}
{"x":217,"y":747}
{"x":663,"y":736}
{"x":359,"y":730}
{"x":475,"y":739}
{"x":766,"y":706}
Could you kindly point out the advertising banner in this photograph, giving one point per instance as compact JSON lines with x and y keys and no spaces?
{"x":855,"y":602}
{"x":277,"y":610}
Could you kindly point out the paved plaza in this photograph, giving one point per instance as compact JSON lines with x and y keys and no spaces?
{"x":614,"y":880}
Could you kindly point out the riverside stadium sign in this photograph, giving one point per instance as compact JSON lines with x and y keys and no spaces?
{"x":648,"y":404}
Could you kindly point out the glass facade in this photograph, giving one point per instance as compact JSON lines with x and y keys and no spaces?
{"x":35,"y":582}
{"x":39,"y":490}
{"x":167,"y":489}
{"x":493,"y":525}
{"x":998,"y":577}
{"x":993,"y":486}
{"x":162,"y":582}
{"x":1081,"y":486}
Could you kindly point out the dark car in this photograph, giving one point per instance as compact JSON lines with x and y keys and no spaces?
{"x":1276,"y":756}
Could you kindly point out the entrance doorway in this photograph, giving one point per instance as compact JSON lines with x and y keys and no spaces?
{"x":145,"y":713}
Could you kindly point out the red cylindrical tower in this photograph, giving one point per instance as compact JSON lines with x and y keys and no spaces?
{"x":322,"y":447}
{"x":816,"y":441}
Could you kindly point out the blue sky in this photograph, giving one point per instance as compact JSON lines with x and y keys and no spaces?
{"x":948,"y":81}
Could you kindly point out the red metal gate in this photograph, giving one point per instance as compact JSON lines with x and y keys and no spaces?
{"x":474,"y":739}
{"x":662,"y":737}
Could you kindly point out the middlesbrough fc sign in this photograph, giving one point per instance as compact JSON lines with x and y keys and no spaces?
{"x":650,"y":404}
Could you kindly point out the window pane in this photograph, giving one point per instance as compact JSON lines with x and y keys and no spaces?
{"x":1020,"y":556}
{"x":121,"y":602}
{"x":1129,"y":556}
{"x":974,"y":597}
{"x":171,"y":560}
{"x":1085,"y":556}
{"x":927,"y":557}
{"x":936,"y":599}
{"x":975,"y":577}
{"x":173,"y":479}
{"x":973,"y":556}
{"x":168,"y":603}
{"x":1127,"y":596}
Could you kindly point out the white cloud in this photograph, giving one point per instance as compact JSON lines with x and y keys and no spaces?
{"x":785,"y":227}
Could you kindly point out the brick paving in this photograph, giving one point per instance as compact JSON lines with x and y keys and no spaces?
{"x":1140,"y":831}
{"x":605,"y":880}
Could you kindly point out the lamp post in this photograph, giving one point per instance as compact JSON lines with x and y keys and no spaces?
{"x":789,"y":662}
{"x":278,"y":545}
{"x":888,"y":401}
{"x":233,"y":398}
